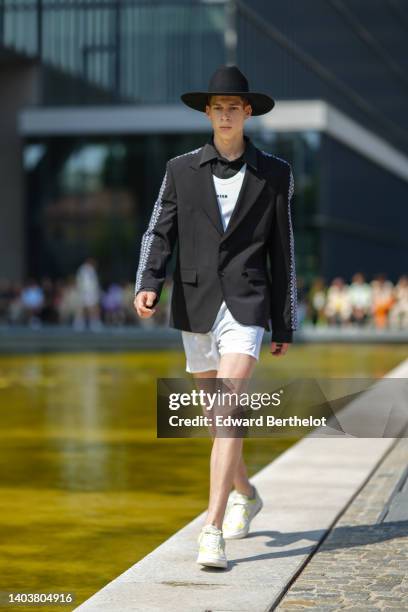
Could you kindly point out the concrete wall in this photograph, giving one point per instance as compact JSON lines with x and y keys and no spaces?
{"x":19,"y":87}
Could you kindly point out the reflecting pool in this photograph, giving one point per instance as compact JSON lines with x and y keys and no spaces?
{"x":87,"y":488}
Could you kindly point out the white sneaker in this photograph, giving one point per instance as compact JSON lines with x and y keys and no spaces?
{"x":212,"y":547}
{"x":239,"y":513}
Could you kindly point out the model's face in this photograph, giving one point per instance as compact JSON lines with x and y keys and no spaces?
{"x":227,"y":115}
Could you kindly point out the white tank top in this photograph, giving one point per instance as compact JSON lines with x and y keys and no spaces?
{"x":227,"y":191}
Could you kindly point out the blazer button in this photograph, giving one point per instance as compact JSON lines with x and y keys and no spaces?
{"x":222,"y":273}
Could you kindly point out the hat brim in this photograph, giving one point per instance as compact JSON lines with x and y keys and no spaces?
{"x":260,"y":103}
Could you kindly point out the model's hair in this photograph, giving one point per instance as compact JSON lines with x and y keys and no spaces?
{"x":245,"y":101}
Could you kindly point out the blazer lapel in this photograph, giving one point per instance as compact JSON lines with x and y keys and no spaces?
{"x":251,"y":187}
{"x":250,"y":190}
{"x":205,"y":194}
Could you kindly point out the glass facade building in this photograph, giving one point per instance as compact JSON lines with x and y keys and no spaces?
{"x":70,"y":192}
{"x":95,"y":196}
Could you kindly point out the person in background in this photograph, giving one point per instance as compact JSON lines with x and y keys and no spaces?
{"x":398,"y":316}
{"x":382,"y":300}
{"x":69,"y":305}
{"x":360,"y":299}
{"x":112,"y":305}
{"x":32,"y":299}
{"x":338,"y":305}
{"x":87,"y":283}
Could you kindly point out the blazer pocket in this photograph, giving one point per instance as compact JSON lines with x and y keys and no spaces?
{"x":188,"y":275}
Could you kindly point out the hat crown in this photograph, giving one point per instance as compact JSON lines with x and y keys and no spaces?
{"x":228,"y":78}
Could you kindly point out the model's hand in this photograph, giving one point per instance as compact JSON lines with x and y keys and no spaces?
{"x":279,"y":348}
{"x":143,"y":302}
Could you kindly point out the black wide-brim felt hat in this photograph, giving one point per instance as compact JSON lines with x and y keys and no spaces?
{"x":229,"y":81}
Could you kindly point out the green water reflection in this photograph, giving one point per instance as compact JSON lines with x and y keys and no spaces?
{"x":87,"y":489}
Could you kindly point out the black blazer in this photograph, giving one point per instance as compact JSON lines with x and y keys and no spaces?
{"x":213,"y":265}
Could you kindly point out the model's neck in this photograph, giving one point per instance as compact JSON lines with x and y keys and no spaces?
{"x":231,"y":148}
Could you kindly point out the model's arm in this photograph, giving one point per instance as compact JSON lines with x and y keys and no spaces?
{"x":281,"y":251}
{"x":159,"y":239}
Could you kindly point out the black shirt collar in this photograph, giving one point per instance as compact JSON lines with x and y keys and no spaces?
{"x":210,"y":152}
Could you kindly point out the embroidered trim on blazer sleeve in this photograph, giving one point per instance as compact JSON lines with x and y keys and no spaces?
{"x":159,"y":239}
{"x":282,"y":258}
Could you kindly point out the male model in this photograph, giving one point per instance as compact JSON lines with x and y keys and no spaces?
{"x":226,"y":205}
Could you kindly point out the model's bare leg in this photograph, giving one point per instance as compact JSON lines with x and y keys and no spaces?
{"x":226,"y":454}
{"x":241,"y":481}
{"x":204,"y":375}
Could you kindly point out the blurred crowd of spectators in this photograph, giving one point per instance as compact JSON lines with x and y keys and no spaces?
{"x":377,"y":304}
{"x":80,"y":301}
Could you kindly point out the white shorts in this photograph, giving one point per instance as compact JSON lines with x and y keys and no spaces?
{"x":227,"y":335}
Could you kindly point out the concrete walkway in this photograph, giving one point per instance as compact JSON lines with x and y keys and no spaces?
{"x":306,"y":491}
